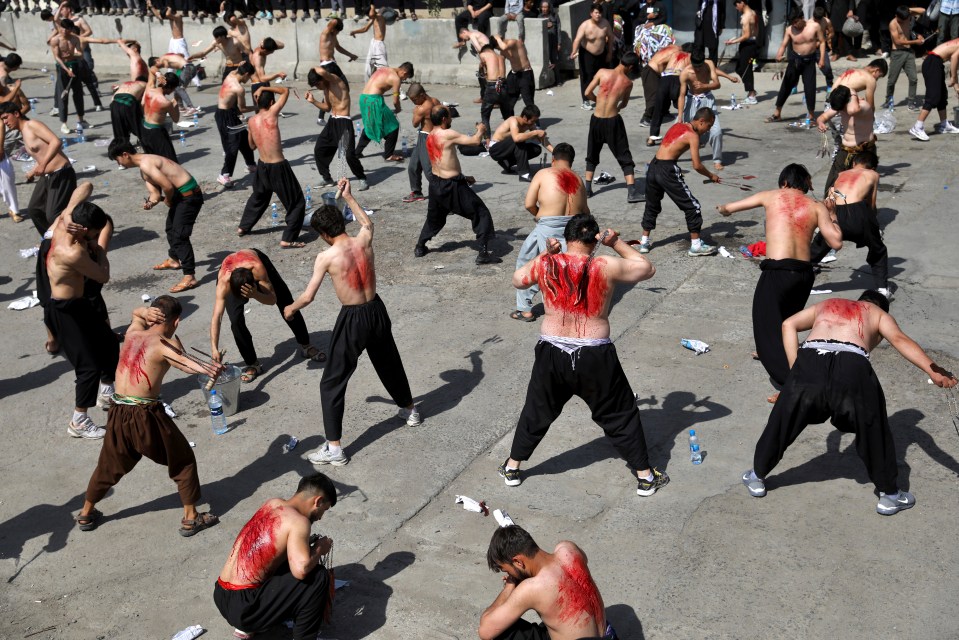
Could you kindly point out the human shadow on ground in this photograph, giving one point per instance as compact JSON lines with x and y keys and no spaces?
{"x":56,"y":368}
{"x":625,"y":621}
{"x":53,"y":521}
{"x":21,"y":290}
{"x":886,"y":170}
{"x":729,"y":228}
{"x":680,"y":410}
{"x":860,"y":276}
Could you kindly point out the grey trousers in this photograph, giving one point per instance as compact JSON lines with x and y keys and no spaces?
{"x":901,"y":60}
{"x":693,"y":104}
{"x":504,"y":23}
{"x":535,"y":243}
{"x":948,"y":27}
{"x":419,"y":164}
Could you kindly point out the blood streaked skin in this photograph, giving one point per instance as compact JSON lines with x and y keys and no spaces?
{"x":434,"y":148}
{"x":360,"y":276}
{"x":796,"y":207}
{"x":846,"y":310}
{"x":676,"y":132}
{"x":578,"y":594}
{"x":255,"y":546}
{"x":567,"y":181}
{"x":236,"y":260}
{"x":133,"y":360}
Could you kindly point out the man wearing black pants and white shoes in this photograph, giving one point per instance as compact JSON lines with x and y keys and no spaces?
{"x":748,"y":49}
{"x":363,"y":323}
{"x":937,"y":94}
{"x":513,"y":142}
{"x":230,"y":104}
{"x":339,"y":130}
{"x":273,"y":172}
{"x":806,"y":44}
{"x":593,"y":45}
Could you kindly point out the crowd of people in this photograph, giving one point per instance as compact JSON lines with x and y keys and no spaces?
{"x":275,"y":570}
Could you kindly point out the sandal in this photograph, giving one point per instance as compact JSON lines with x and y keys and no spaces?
{"x":184,"y":286}
{"x":413,"y":16}
{"x":312,"y":353}
{"x":292,"y":245}
{"x":251,"y":372}
{"x":395,"y":158}
{"x":16,"y":217}
{"x":167,"y":265}
{"x":771,"y":119}
{"x":518,"y":315}
{"x":192,"y":527}
{"x":90,"y":521}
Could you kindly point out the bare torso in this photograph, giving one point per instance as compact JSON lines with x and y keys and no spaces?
{"x":155,"y":106}
{"x":806,"y":41}
{"x":858,"y":128}
{"x":421,"y":114}
{"x":574,"y":308}
{"x":614,"y":87}
{"x":66,"y":283}
{"x":495,"y":66}
{"x":593,"y":36}
{"x":677,"y":61}
{"x":676,"y":141}
{"x":381,"y":82}
{"x":658,"y":62}
{"x":265,"y":129}
{"x":337,"y":95}
{"x":163,"y":173}
{"x":36,"y":146}
{"x":442,"y":153}
{"x":515,"y":52}
{"x":68,"y":46}
{"x":701,"y":79}
{"x":559,"y":192}
{"x":791,"y":219}
{"x":229,"y":94}
{"x":260,"y":546}
{"x":142,"y":365}
{"x":748,"y":23}
{"x":856,"y":184}
{"x":847,"y":321}
{"x":350,"y":265}
{"x":946,"y":49}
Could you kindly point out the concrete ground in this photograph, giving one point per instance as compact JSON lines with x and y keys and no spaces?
{"x":701,"y":559}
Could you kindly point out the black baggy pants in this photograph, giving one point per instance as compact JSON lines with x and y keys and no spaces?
{"x":235,"y":306}
{"x":234,"y":141}
{"x":612,"y":133}
{"x":453,"y":195}
{"x":179,"y":227}
{"x":664,"y":177}
{"x":782,"y":290}
{"x":156,"y":140}
{"x":860,"y":225}
{"x":389,"y":143}
{"x":82,"y":76}
{"x":507,"y":152}
{"x":50,"y":197}
{"x":360,"y":327}
{"x":744,"y":64}
{"x":419,"y":164}
{"x":588,"y":66}
{"x":650,"y":80}
{"x":494,"y":95}
{"x":667,"y":93}
{"x":338,"y":129}
{"x":88,"y":344}
{"x":841,"y":386}
{"x":595,"y":375}
{"x":520,"y":84}
{"x":125,"y":120}
{"x":278,"y":178}
{"x":799,"y":67}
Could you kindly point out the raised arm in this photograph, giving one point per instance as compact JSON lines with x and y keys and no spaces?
{"x":633,"y":268}
{"x":366,"y":225}
{"x":362,"y":29}
{"x":828,"y":225}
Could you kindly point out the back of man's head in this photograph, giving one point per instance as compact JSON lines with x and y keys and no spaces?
{"x":795,"y":176}
{"x":312,"y":77}
{"x":583,"y":228}
{"x":318,"y":485}
{"x":265,"y":100}
{"x":507,"y":543}
{"x":10,"y":107}
{"x":881,"y":65}
{"x":89,"y":215}
{"x":170,"y":306}
{"x":415,"y":91}
{"x":327,"y":220}
{"x":530,"y":112}
{"x":866,"y":159}
{"x":438,"y":114}
{"x":697,"y":57}
{"x":336,"y":24}
{"x":564,"y":151}
{"x":13,"y":61}
{"x":170,"y":80}
{"x":629,"y":60}
{"x":407,"y":68}
{"x":245,"y":69}
{"x":705,"y":113}
{"x":819,"y":13}
{"x":902,"y":12}
{"x":269,"y":44}
{"x":839,"y":98}
{"x":873,"y":296}
{"x":119,"y":146}
{"x":239,"y":277}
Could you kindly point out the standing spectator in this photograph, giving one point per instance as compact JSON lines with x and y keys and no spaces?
{"x":710,"y":19}
{"x":901,"y":56}
{"x":948,"y":20}
{"x":480,"y":14}
{"x":842,"y":44}
{"x":653,"y":12}
{"x":548,"y":13}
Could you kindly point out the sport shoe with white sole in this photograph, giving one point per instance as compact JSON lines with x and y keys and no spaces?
{"x":946,"y":127}
{"x":647,"y":488}
{"x":890,"y":505}
{"x":702,"y":250}
{"x":105,"y":401}
{"x":511,"y":476}
{"x":757,"y":488}
{"x":829,"y":257}
{"x":86,"y":428}
{"x":412,"y":416}
{"x":644,"y":247}
{"x":84,"y":124}
{"x":750,"y":100}
{"x":65,"y":128}
{"x":362,"y":185}
{"x":225,"y":180}
{"x":324,"y":456}
{"x":918,"y":134}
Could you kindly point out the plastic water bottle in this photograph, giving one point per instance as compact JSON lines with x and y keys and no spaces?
{"x":359,"y":129}
{"x":309,"y":198}
{"x":804,"y":100}
{"x":64,"y":143}
{"x":274,"y":216}
{"x":807,"y":123}
{"x":694,"y":455}
{"x":732,"y":101}
{"x":291,"y":445}
{"x":182,"y":138}
{"x":80,"y":137}
{"x":196,"y":120}
{"x":216,"y":414}
{"x":406,"y":147}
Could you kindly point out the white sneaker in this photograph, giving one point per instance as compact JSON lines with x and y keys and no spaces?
{"x":65,"y":128}
{"x":54,"y":112}
{"x":225,"y":180}
{"x":586,"y":106}
{"x":891,"y":505}
{"x":886,"y":292}
{"x":829,"y":257}
{"x":99,"y":108}
{"x":947,"y":127}
{"x":644,"y":247}
{"x":324,"y":456}
{"x":105,"y":400}
{"x":86,"y":428}
{"x":412,"y":416}
{"x":750,"y":100}
{"x":84,"y":124}
{"x":918,"y":134}
{"x":362,"y":185}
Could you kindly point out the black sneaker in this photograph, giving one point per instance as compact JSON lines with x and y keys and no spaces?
{"x":633,"y":195}
{"x":420,"y":250}
{"x":485,"y":257}
{"x":644,"y":123}
{"x":589,"y":192}
{"x":511,"y":476}
{"x":415,"y":196}
{"x":649,"y":487}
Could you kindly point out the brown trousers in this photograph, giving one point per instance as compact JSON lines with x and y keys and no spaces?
{"x":134,"y":431}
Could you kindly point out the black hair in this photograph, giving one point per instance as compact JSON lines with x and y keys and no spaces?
{"x":795,"y":176}
{"x":564,"y":151}
{"x":219,"y":32}
{"x":245,"y":69}
{"x":486,"y":47}
{"x":170,"y":306}
{"x":596,"y":7}
{"x":902,"y":12}
{"x":269,"y":44}
{"x":312,"y":77}
{"x":10,"y":107}
{"x":795,"y":16}
{"x":265,"y":100}
{"x":867,"y":159}
{"x":89,"y":215}
{"x":819,"y":12}
{"x":239,"y":277}
{"x":839,"y":98}
{"x":706,"y":113}
{"x":880,"y":64}
{"x":530,"y":112}
{"x":171,"y":80}
{"x":408,"y":68}
{"x":68,"y":25}
{"x":509,"y":542}
{"x":629,"y":59}
{"x":318,"y":484}
{"x":46,"y":15}
{"x":327,"y":220}
{"x":119,"y":146}
{"x":152,"y":60}
{"x":141,"y":78}
{"x":873,"y":296}
{"x":337,"y":24}
{"x":582,"y":227}
{"x":438,"y":114}
{"x":697,"y":57}
{"x":12,"y":60}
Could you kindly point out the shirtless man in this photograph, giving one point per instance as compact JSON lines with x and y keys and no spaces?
{"x":238,"y":30}
{"x":379,"y":123}
{"x":126,"y":110}
{"x":185,"y":71}
{"x":67,"y":47}
{"x":902,"y":56}
{"x":171,"y":184}
{"x":273,"y":171}
{"x":650,"y":76}
{"x":830,"y":378}
{"x":420,"y":158}
{"x":137,"y":424}
{"x":363,"y":323}
{"x":156,"y":107}
{"x":376,"y":56}
{"x":606,"y":126}
{"x":339,"y":131}
{"x":664,"y":177}
{"x":138,"y":67}
{"x":863,"y":80}
{"x":696,"y":85}
{"x":855,"y":195}
{"x":520,"y":81}
{"x":857,"y":117}
{"x":177,"y":41}
{"x":65,"y":12}
{"x":575,"y":355}
{"x":235,"y":50}
{"x":787,"y":275}
{"x":937,"y":94}
{"x":71,"y":257}
{"x":805,"y":41}
{"x":494,"y":93}
{"x":8,"y":64}
{"x":555,"y":195}
{"x":593,"y":45}
{"x":258,"y":59}
{"x":247,"y":275}
{"x":328,"y":46}
{"x":569,"y":607}
{"x":475,"y":41}
{"x":515,"y":141}
{"x":667,"y":93}
{"x":275,"y":570}
{"x":450,"y":190}
{"x":748,"y":48}
{"x":230,"y":105}
{"x":56,"y":179}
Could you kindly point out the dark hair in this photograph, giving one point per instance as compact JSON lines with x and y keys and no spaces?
{"x":795,"y":16}
{"x":795,"y":176}
{"x":227,"y":15}
{"x":687,"y":47}
{"x":327,"y":220}
{"x":318,"y":484}
{"x":596,"y":7}
{"x":13,"y":61}
{"x":530,"y":112}
{"x":582,"y":227}
{"x":170,"y":306}
{"x":265,"y":100}
{"x":312,"y":77}
{"x":171,"y":80}
{"x":697,"y":57}
{"x":152,"y":60}
{"x":141,"y":78}
{"x":509,"y":542}
{"x":819,"y":12}
{"x":880,"y":64}
{"x":135,"y":46}
{"x":629,"y":59}
{"x":487,"y":47}
{"x":337,"y":24}
{"x":415,"y":91}
{"x":89,"y":215}
{"x":67,"y":23}
{"x":269,"y":44}
{"x":219,"y":32}
{"x":239,"y":277}
{"x":902,"y":12}
{"x":866,"y":158}
{"x":706,"y":113}
{"x":9,"y":107}
{"x":839,"y":98}
{"x":438,"y":114}
{"x":245,"y":69}
{"x":46,"y":15}
{"x":873,"y":296}
{"x":119,"y":146}
{"x":408,"y":68}
{"x":564,"y":151}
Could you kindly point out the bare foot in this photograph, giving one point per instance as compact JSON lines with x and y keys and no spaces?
{"x":718,"y":166}
{"x":773,"y":398}
{"x":168,"y":264}
{"x":188,"y":282}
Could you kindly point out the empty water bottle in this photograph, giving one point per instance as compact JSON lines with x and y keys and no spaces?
{"x":694,"y":454}
{"x":80,"y":137}
{"x":732,"y":101}
{"x":274,"y":216}
{"x":406,"y":147}
{"x":807,"y":123}
{"x":196,"y":120}
{"x":216,"y":414}
{"x":359,"y":129}
{"x":309,"y":198}
{"x":182,"y":138}
{"x":291,"y":445}
{"x":64,"y":142}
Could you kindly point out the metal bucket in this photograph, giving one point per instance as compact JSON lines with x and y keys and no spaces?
{"x":227,"y":387}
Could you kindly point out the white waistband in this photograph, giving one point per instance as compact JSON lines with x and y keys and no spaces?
{"x":571,"y":345}
{"x":823,"y":347}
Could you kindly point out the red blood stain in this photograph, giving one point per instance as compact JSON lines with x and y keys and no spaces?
{"x":606,"y":86}
{"x":255,"y":546}
{"x":847,"y":73}
{"x":152,"y":105}
{"x":568,"y":181}
{"x":676,"y":132}
{"x":361,"y":274}
{"x":560,"y":279}
{"x":681,"y":58}
{"x":847,"y":310}
{"x":141,"y":68}
{"x":46,"y":261}
{"x":133,"y":360}
{"x":238,"y":259}
{"x":795,"y":206}
{"x":845,"y":179}
{"x":578,"y":594}
{"x":434,"y":148}
{"x":224,"y":90}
